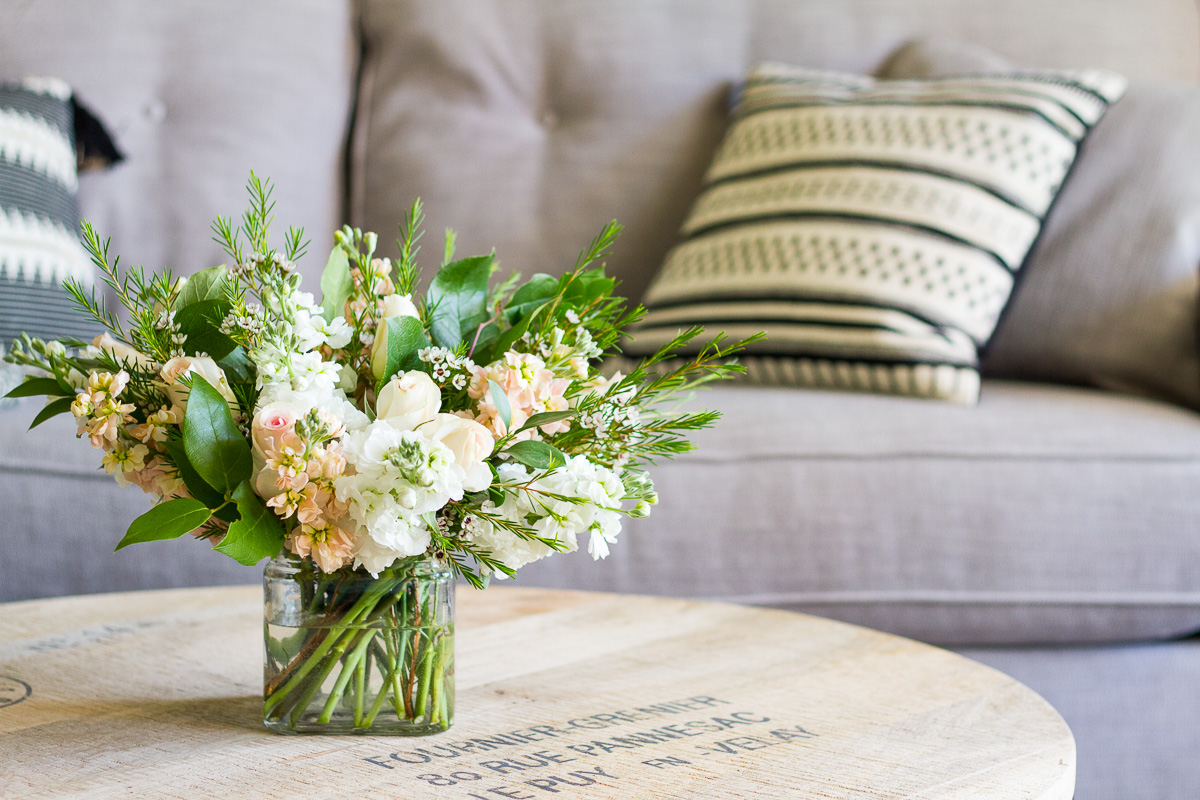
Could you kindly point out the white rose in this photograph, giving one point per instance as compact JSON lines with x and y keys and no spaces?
{"x":122,"y":352}
{"x":399,"y":305}
{"x":469,"y":442}
{"x":177,"y":368}
{"x":408,"y":400}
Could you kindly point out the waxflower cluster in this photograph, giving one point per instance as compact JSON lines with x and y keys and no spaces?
{"x":474,"y":423}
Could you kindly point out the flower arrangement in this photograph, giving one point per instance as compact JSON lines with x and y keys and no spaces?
{"x":372,"y":429}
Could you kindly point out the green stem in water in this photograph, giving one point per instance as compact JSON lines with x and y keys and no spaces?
{"x":336,"y":634}
{"x":349,"y":665}
{"x":360,"y":680}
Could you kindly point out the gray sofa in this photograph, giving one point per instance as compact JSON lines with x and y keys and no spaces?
{"x":1050,"y":531}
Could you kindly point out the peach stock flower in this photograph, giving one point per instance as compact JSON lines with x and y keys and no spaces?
{"x":329,"y":545}
{"x":529,"y":387}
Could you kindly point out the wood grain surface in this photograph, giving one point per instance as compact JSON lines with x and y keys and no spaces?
{"x":560,"y":695}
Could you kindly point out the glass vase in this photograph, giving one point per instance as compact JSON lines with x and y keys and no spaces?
{"x":347,"y":653}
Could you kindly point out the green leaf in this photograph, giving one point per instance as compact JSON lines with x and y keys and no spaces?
{"x":545,"y":418}
{"x":207,"y":284}
{"x":500,"y":401}
{"x":256,"y":535}
{"x":237,"y":366}
{"x":196,"y":486}
{"x":211,"y":439}
{"x":482,"y":343}
{"x":336,"y":284}
{"x":458,"y":297}
{"x":537,"y":291}
{"x":201,"y":324}
{"x":168,"y":520}
{"x":55,"y":407}
{"x":538,"y":455}
{"x":402,"y":338}
{"x":506,"y":341}
{"x":36,"y":386}
{"x":588,"y":286}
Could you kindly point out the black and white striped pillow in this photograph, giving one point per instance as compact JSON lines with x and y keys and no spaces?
{"x":874,"y":229}
{"x":39,"y":216}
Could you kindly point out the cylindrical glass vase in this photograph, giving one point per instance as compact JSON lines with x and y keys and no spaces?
{"x":347,"y":653}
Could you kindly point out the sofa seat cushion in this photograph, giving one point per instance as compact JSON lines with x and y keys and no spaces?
{"x":61,"y":516}
{"x":1044,"y":514}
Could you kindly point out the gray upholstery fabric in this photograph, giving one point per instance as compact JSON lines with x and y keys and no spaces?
{"x":1108,"y":295}
{"x":528,"y":124}
{"x":1042,"y":515}
{"x":1133,"y":710}
{"x":197,"y":94}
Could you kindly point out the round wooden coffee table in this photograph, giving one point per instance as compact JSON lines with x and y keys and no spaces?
{"x":560,"y":695}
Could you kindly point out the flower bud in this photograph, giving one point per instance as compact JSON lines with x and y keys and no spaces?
{"x":399,"y":305}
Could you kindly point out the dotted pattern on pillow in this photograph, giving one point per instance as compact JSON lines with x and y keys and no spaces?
{"x":874,"y":229}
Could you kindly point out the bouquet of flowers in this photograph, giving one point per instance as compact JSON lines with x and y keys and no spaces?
{"x":370,"y":432}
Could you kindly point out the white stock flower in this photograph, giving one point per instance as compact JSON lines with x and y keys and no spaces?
{"x":311,"y":331}
{"x":408,"y":400}
{"x":395,"y":478}
{"x":310,"y":371}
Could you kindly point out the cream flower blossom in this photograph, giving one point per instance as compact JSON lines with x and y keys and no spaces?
{"x":122,"y":460}
{"x":408,"y":400}
{"x":399,"y":305}
{"x":174,"y":372}
{"x":122,"y":352}
{"x":154,"y":429}
{"x":469,"y":442}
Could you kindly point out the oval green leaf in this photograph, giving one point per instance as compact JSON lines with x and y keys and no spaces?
{"x":256,"y":535}
{"x":214,"y":445}
{"x":168,"y":520}
{"x":538,"y":455}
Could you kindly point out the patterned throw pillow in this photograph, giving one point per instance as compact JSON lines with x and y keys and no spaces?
{"x":874,"y":229}
{"x":39,"y":218}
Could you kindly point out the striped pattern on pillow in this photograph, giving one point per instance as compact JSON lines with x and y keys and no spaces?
{"x":874,"y":229}
{"x":39,"y":216}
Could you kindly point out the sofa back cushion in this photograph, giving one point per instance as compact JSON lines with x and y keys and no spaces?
{"x":526,"y":124}
{"x":196,"y":94}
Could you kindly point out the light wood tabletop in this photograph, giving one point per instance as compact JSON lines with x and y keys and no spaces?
{"x":560,"y":695}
